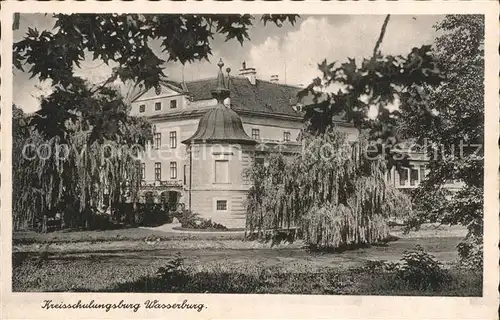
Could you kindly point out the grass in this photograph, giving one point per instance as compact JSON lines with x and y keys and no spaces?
{"x":92,"y":267}
{"x":124,"y":261}
{"x":45,"y":273}
{"x":126,"y":234}
{"x":209,"y":229}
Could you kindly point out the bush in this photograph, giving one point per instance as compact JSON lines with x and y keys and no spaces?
{"x":41,"y":272}
{"x":191,"y":220}
{"x":174,"y":274}
{"x":421,"y":270}
{"x":186,"y":217}
{"x":470,"y":253}
{"x":152,"y":215}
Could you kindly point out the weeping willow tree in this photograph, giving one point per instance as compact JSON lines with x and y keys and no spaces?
{"x":334,"y":192}
{"x":74,"y":163}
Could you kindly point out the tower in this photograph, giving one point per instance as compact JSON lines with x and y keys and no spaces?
{"x":219,"y":152}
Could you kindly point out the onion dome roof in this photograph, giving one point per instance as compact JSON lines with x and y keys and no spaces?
{"x":220,"y":124}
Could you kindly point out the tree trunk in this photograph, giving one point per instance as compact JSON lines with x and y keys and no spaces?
{"x":44,"y":224}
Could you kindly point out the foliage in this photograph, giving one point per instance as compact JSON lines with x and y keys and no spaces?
{"x":151,"y":214}
{"x":186,"y":216}
{"x":91,"y":117}
{"x":72,"y":168}
{"x":416,"y":270}
{"x":336,"y":227}
{"x":459,"y":124}
{"x":470,"y":253}
{"x":174,"y":273}
{"x":225,"y":276}
{"x":421,"y":271}
{"x":333,"y":192}
{"x":125,"y":39}
{"x":192,"y":220}
{"x":453,"y":139}
{"x":375,"y":83}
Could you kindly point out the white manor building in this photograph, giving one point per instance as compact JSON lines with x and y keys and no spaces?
{"x":207,"y":132}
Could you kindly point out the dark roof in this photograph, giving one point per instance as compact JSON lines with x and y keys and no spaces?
{"x":263,"y":97}
{"x":220,"y":125}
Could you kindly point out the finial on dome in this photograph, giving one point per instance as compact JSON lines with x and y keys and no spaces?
{"x":220,"y":92}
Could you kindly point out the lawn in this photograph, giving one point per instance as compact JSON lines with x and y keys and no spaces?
{"x":122,"y":260}
{"x":126,"y":234}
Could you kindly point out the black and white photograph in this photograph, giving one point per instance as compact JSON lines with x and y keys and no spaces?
{"x":221,"y":153}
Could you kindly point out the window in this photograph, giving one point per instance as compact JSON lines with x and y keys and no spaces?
{"x":143,"y":171}
{"x":157,"y":171}
{"x":414,"y":181}
{"x":286,"y":136}
{"x":221,"y":205}
{"x":173,"y":170}
{"x":255,"y":134}
{"x":158,"y":106}
{"x":259,"y":161}
{"x":142,"y":108}
{"x":173,"y":139}
{"x":221,"y":171}
{"x":185,"y":174}
{"x":403,"y":176}
{"x":173,"y":104}
{"x":422,"y":173}
{"x":157,"y":140}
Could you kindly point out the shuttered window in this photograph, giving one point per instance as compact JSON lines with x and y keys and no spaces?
{"x":221,"y":171}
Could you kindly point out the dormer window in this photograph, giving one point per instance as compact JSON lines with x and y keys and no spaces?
{"x":286,"y":136}
{"x":173,"y":104}
{"x":142,"y":108}
{"x":255,"y":134}
{"x":157,"y":106}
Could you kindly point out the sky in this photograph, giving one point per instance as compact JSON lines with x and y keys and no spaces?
{"x":291,"y":52}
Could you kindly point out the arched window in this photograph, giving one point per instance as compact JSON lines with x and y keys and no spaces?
{"x":150,"y":198}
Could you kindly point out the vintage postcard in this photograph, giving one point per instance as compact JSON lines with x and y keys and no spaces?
{"x":207,"y":160}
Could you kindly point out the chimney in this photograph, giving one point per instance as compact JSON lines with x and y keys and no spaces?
{"x":275,"y":78}
{"x":248,"y":73}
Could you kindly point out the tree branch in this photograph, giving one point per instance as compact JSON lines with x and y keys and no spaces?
{"x":381,"y":36}
{"x":111,"y":79}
